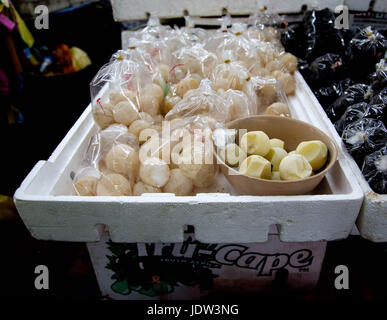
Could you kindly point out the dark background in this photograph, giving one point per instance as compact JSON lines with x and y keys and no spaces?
{"x":51,"y":105}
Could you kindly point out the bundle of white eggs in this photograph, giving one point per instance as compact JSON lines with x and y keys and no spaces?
{"x":152,"y":164}
{"x":230,"y":75}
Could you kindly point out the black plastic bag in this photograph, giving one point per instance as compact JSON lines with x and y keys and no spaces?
{"x":327,"y":95}
{"x":367,"y":48}
{"x":354,"y":94}
{"x":364,"y":137}
{"x":303,"y":67}
{"x":327,"y":67}
{"x":352,"y":114}
{"x":347,"y":35}
{"x":375,"y":170}
{"x":321,"y":34}
{"x":379,"y":77}
{"x":380,"y":97}
{"x":377,"y":108}
{"x":292,"y":40}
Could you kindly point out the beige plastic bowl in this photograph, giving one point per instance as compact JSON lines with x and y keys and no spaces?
{"x":292,"y":132}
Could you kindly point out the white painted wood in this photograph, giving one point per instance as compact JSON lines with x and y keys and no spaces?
{"x":27,"y":7}
{"x":125,"y":10}
{"x":380,"y":6}
{"x":291,"y":6}
{"x":327,"y":214}
{"x":357,"y":5}
{"x":372,"y":220}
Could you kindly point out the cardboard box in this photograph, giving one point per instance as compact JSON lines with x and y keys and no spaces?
{"x":194,"y":270}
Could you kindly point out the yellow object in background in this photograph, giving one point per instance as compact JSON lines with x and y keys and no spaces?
{"x":7,"y":208}
{"x":23,"y":30}
{"x":80,"y":58}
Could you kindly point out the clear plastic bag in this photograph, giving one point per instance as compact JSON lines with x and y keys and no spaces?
{"x":233,"y":46}
{"x":275,"y":64}
{"x":124,"y":88}
{"x":85,"y":181}
{"x":288,"y":83}
{"x":151,"y":53}
{"x":263,"y":27}
{"x":292,"y":40}
{"x":214,"y":39}
{"x":377,"y":108}
{"x":352,"y":114}
{"x":263,"y":20}
{"x":110,"y":165}
{"x":189,"y":82}
{"x":269,"y":91}
{"x":379,"y":77}
{"x":326,"y":68}
{"x":202,"y":101}
{"x":104,"y":140}
{"x":113,"y":84}
{"x":184,"y":144}
{"x":320,"y":33}
{"x":352,"y":95}
{"x":229,"y":75}
{"x":193,"y":34}
{"x":175,"y":39}
{"x":375,"y":170}
{"x":364,"y":137}
{"x":178,"y":158}
{"x":239,"y":104}
{"x":154,"y":30}
{"x":196,"y":60}
{"x":367,"y":48}
{"x":196,"y":157}
{"x":327,"y":95}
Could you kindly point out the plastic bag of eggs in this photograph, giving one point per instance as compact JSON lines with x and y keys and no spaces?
{"x":240,"y":105}
{"x":202,"y":101}
{"x":229,"y":75}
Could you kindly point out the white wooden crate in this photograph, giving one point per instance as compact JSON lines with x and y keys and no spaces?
{"x":27,"y":7}
{"x":372,"y":220}
{"x":380,"y":6}
{"x":219,"y":216}
{"x":126,"y":10}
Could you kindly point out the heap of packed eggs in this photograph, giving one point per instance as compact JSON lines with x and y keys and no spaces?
{"x":184,"y":79}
